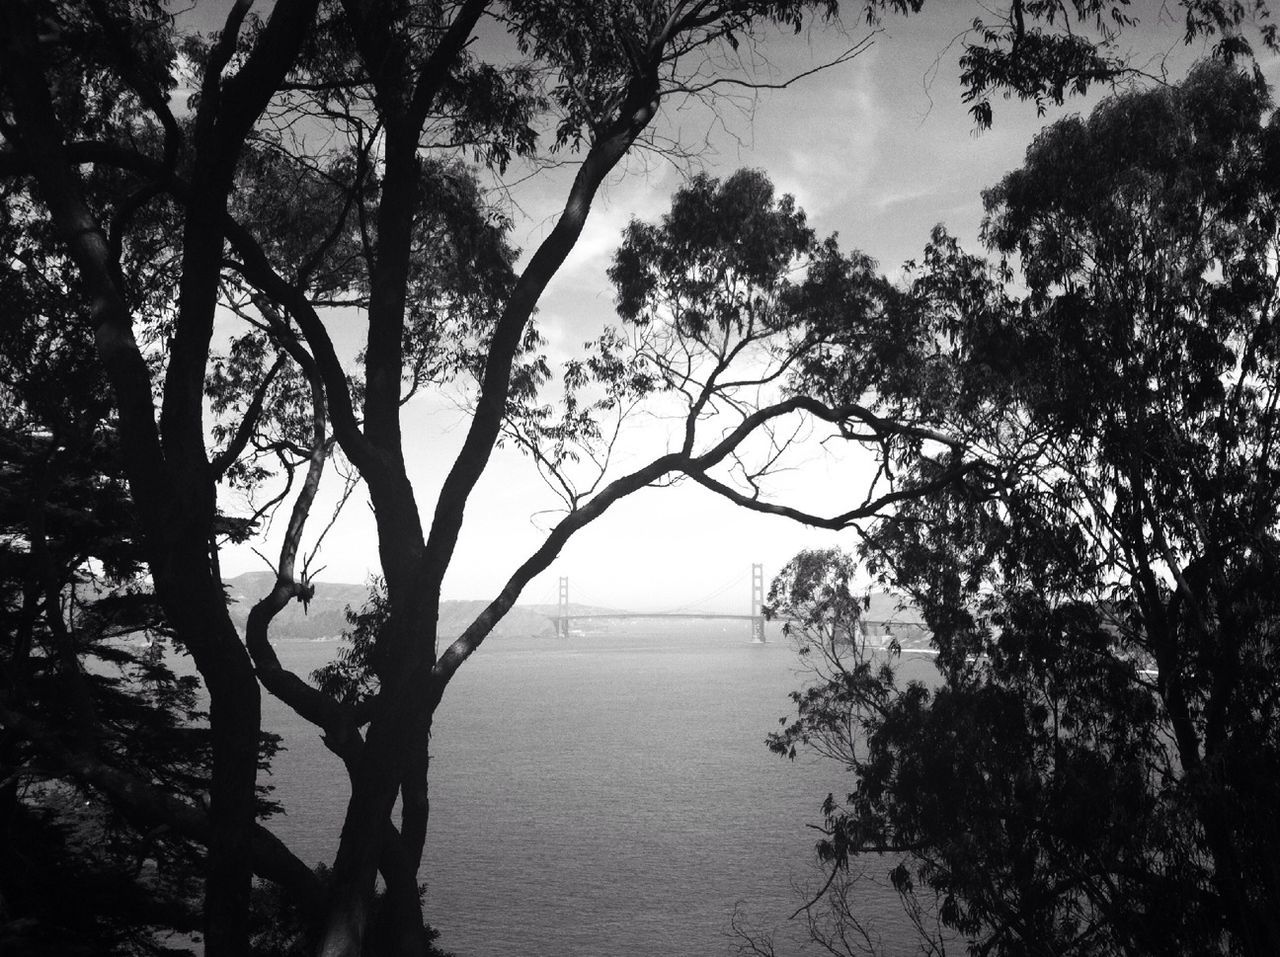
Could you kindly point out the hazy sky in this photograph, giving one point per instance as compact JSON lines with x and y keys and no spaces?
{"x":879,"y":149}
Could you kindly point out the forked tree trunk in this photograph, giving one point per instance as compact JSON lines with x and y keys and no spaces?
{"x":401,"y":928}
{"x":376,"y":783}
{"x":404,"y":927}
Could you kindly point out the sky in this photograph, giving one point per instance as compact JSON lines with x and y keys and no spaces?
{"x":878,"y":150}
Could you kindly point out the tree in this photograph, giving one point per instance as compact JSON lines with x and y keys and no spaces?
{"x":82,"y":875}
{"x":1096,"y":768}
{"x":397,"y":95}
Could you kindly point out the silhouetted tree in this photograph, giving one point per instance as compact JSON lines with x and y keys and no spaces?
{"x":90,"y":707}
{"x":1096,"y":769}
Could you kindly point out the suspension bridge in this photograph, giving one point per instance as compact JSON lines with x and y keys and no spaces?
{"x":755,"y":613}
{"x":886,"y":621}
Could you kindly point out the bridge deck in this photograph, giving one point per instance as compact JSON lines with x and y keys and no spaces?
{"x":641,"y":614}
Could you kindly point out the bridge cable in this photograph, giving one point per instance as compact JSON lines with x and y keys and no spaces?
{"x":734,"y":581}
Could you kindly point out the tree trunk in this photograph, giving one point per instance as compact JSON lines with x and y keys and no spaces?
{"x":194,"y":604}
{"x":234,"y":717}
{"x":404,"y":931}
{"x":401,"y":930}
{"x":373,"y":793}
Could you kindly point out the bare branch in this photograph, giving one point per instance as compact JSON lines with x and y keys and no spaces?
{"x":730,"y":81}
{"x":227,"y":457}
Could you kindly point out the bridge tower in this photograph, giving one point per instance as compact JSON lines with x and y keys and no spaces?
{"x":757,"y":603}
{"x":562,"y":609}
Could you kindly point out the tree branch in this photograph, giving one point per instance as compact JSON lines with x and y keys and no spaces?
{"x":638,"y":109}
{"x":479,"y":629}
{"x":436,"y":70}
{"x":309,"y":702}
{"x":870,"y":509}
{"x":256,"y":268}
{"x":227,"y":457}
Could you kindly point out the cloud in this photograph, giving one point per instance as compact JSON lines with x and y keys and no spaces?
{"x":820,"y":140}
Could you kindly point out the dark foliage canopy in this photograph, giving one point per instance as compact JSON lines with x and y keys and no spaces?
{"x":1096,"y":768}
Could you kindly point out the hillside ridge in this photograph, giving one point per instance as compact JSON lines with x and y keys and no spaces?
{"x":325,"y":614}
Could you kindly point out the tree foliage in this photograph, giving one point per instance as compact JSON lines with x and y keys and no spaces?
{"x":1095,"y":768}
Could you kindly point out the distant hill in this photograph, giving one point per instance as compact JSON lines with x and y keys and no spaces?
{"x":326,"y":615}
{"x":324,"y":618}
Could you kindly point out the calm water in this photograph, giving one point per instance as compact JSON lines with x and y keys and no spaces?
{"x":597,"y":797}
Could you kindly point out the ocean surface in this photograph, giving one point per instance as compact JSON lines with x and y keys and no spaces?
{"x":600,"y":796}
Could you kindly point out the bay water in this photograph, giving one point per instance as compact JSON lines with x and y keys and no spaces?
{"x":600,"y":796}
